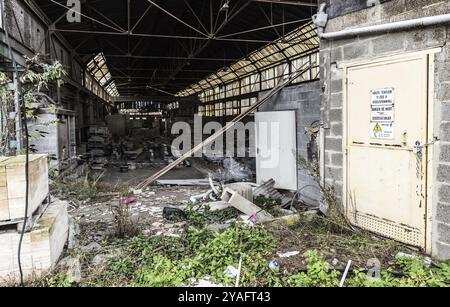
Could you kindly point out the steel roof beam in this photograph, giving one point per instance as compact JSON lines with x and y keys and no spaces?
{"x":178,"y":19}
{"x":154,"y":57}
{"x":162,"y":36}
{"x":298,"y":3}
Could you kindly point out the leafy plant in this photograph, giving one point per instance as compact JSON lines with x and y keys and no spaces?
{"x":201,"y":217}
{"x":161,"y":261}
{"x":413,"y":273}
{"x":33,"y":82}
{"x":318,"y":273}
{"x":268,"y":204}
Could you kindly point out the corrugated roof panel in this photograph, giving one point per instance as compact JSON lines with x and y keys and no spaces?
{"x":292,"y":45}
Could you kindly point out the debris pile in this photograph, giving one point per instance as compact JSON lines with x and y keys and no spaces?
{"x":99,"y":146}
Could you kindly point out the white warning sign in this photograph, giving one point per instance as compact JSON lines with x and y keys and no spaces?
{"x":382,"y":113}
{"x":382,"y":131}
{"x":384,"y":96}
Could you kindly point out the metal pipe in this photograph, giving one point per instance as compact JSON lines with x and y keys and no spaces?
{"x":389,"y":27}
{"x":322,"y":155}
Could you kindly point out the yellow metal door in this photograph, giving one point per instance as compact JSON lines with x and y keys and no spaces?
{"x":386,"y":162}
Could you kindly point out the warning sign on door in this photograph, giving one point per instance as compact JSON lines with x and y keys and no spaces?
{"x":382,"y":131}
{"x":382,"y":111}
{"x":384,"y":96}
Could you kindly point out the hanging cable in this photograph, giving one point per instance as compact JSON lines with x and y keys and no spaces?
{"x":27,"y":158}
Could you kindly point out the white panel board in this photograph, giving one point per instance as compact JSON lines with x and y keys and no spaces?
{"x":276,"y":148}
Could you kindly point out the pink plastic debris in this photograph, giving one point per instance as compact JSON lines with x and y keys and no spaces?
{"x":129,"y":200}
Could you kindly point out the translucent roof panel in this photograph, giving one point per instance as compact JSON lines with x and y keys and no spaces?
{"x":111,"y":89}
{"x":98,"y":68}
{"x":295,"y":44}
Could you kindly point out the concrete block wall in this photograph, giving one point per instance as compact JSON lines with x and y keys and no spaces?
{"x":367,"y":47}
{"x":304,"y":99}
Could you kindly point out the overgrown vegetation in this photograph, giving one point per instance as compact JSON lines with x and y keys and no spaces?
{"x":85,"y":188}
{"x":123,"y":224}
{"x":162,"y":261}
{"x":268,"y":204}
{"x":37,"y":78}
{"x":202,"y":216}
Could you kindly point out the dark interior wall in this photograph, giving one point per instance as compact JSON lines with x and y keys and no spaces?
{"x":304,"y":99}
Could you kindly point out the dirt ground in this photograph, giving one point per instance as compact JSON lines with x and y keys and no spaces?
{"x":336,"y":246}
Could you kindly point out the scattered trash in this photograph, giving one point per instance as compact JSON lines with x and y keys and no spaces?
{"x":213,"y":188}
{"x":274,"y":266}
{"x":100,"y":259}
{"x":184,"y":182}
{"x":374,"y":268}
{"x":74,"y":231}
{"x":235,"y":171}
{"x":344,"y":276}
{"x":91,"y":247}
{"x":208,"y":196}
{"x":242,"y":188}
{"x":231,"y":271}
{"x":288,"y":254}
{"x":428,"y":262}
{"x":268,"y":190}
{"x":245,"y":206}
{"x":238,"y":277}
{"x":218,"y":205}
{"x":129,"y":200}
{"x":219,"y":227}
{"x":73,"y":266}
{"x":205,"y":283}
{"x":174,"y":214}
{"x":136,"y":191}
{"x":334,"y":262}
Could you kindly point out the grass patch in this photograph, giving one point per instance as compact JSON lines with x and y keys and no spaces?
{"x":162,"y":262}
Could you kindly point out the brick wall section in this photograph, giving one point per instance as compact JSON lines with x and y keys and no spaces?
{"x":23,"y":27}
{"x":304,"y":99}
{"x":366,"y":47}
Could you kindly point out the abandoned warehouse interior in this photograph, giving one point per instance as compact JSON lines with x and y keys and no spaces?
{"x":232,"y":142}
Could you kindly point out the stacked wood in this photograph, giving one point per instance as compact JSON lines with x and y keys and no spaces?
{"x":41,"y":247}
{"x":12,"y":185}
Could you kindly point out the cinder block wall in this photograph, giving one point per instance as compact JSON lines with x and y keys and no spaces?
{"x":366,"y":47}
{"x":304,"y":99}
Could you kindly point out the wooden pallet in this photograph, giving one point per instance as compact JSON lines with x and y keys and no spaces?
{"x":31,"y":220}
{"x":41,"y":247}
